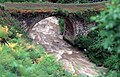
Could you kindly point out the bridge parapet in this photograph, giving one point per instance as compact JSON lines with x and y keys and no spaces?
{"x":50,"y":7}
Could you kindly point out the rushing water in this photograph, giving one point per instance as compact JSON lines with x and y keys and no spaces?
{"x":47,"y":33}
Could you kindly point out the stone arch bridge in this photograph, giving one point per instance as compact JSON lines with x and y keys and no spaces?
{"x":29,"y":15}
{"x":73,"y":26}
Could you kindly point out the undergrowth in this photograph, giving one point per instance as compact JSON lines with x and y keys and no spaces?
{"x":61,"y":24}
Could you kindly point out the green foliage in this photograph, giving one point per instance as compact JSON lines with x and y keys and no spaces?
{"x":109,"y":30}
{"x":65,"y":1}
{"x":61,"y":24}
{"x":83,"y":42}
{"x":61,"y":12}
{"x":93,"y":49}
{"x":104,"y":48}
{"x":85,"y":15}
{"x":112,"y":73}
{"x":112,"y":62}
{"x":7,"y":20}
{"x":82,"y":1}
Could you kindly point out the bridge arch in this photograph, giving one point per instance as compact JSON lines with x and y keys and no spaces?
{"x":72,"y":27}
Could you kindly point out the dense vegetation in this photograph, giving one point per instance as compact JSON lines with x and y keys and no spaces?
{"x":19,"y":57}
{"x":103,"y":42}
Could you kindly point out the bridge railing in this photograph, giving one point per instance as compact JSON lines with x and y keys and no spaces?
{"x":50,"y":7}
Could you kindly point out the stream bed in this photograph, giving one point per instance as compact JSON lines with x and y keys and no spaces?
{"x":47,"y":33}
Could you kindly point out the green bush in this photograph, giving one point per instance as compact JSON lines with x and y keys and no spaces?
{"x":61,"y":24}
{"x":83,"y":41}
{"x":90,"y":43}
{"x":109,"y":30}
{"x":85,"y":15}
{"x":104,"y":48}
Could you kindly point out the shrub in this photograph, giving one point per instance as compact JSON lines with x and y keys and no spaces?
{"x":85,"y":15}
{"x":105,"y":45}
{"x":61,"y":24}
{"x":109,"y":30}
{"x":93,"y":49}
{"x":83,"y":41}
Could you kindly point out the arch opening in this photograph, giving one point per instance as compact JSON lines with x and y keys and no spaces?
{"x":69,"y":32}
{"x":28,"y":20}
